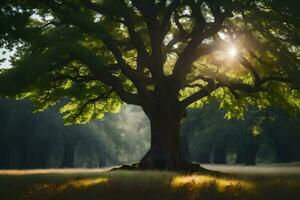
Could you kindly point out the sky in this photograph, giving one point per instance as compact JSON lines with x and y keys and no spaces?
{"x":6,"y":63}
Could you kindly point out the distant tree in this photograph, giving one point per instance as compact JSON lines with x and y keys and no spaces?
{"x":284,"y":133}
{"x":211,"y":142}
{"x":271,"y":135}
{"x":163,"y":55}
{"x":40,"y":140}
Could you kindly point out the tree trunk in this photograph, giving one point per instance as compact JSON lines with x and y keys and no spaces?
{"x":282,"y":155}
{"x":165,"y":152}
{"x":4,"y":156}
{"x":184,"y":144}
{"x":219,"y":156}
{"x":68,"y":158}
{"x":251,"y":152}
{"x":240,"y":156}
{"x":41,"y":154}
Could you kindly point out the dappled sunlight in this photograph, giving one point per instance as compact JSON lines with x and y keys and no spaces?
{"x":81,"y":183}
{"x":202,"y":182}
{"x":51,"y":190}
{"x":121,"y":184}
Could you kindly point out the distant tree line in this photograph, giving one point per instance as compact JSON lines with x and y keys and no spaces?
{"x":41,"y":140}
{"x":263,"y":136}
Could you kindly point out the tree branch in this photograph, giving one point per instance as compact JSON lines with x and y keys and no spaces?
{"x":205,"y":91}
{"x":165,"y":24}
{"x":189,"y":55}
{"x":135,"y":38}
{"x":250,"y":67}
{"x":210,"y":87}
{"x":95,"y":64}
{"x":93,"y":100}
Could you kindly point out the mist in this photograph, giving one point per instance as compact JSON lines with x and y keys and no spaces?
{"x":41,"y":140}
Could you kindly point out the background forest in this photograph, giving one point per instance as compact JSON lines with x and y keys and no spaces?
{"x":41,"y":140}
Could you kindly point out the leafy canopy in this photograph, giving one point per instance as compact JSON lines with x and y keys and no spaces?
{"x":172,"y":54}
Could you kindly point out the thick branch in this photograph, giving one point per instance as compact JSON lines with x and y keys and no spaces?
{"x":250,"y":67}
{"x":96,"y":66}
{"x":190,"y":54}
{"x":205,"y":91}
{"x":165,"y":24}
{"x":209,"y":88}
{"x":112,"y":45}
{"x":139,"y":81}
{"x":150,"y":14}
{"x":135,"y":38}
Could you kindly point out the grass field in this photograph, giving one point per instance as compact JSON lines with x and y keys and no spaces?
{"x":263,"y":183}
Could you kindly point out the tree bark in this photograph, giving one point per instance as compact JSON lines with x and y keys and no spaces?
{"x":165,"y":147}
{"x":165,"y":151}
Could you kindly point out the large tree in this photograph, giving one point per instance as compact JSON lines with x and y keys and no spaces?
{"x":163,"y":55}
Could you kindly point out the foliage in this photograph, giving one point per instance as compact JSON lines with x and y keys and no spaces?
{"x":272,"y":133}
{"x":98,"y":54}
{"x":40,"y":140}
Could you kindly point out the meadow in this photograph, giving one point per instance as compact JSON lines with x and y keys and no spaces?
{"x":240,"y":182}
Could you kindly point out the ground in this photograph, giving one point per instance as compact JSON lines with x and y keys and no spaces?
{"x":262,"y":183}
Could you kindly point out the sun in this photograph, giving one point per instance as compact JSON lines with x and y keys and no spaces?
{"x":232,"y":52}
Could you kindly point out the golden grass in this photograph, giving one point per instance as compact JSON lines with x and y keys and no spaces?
{"x":146,"y":185}
{"x":200,"y":181}
{"x":52,"y":190}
